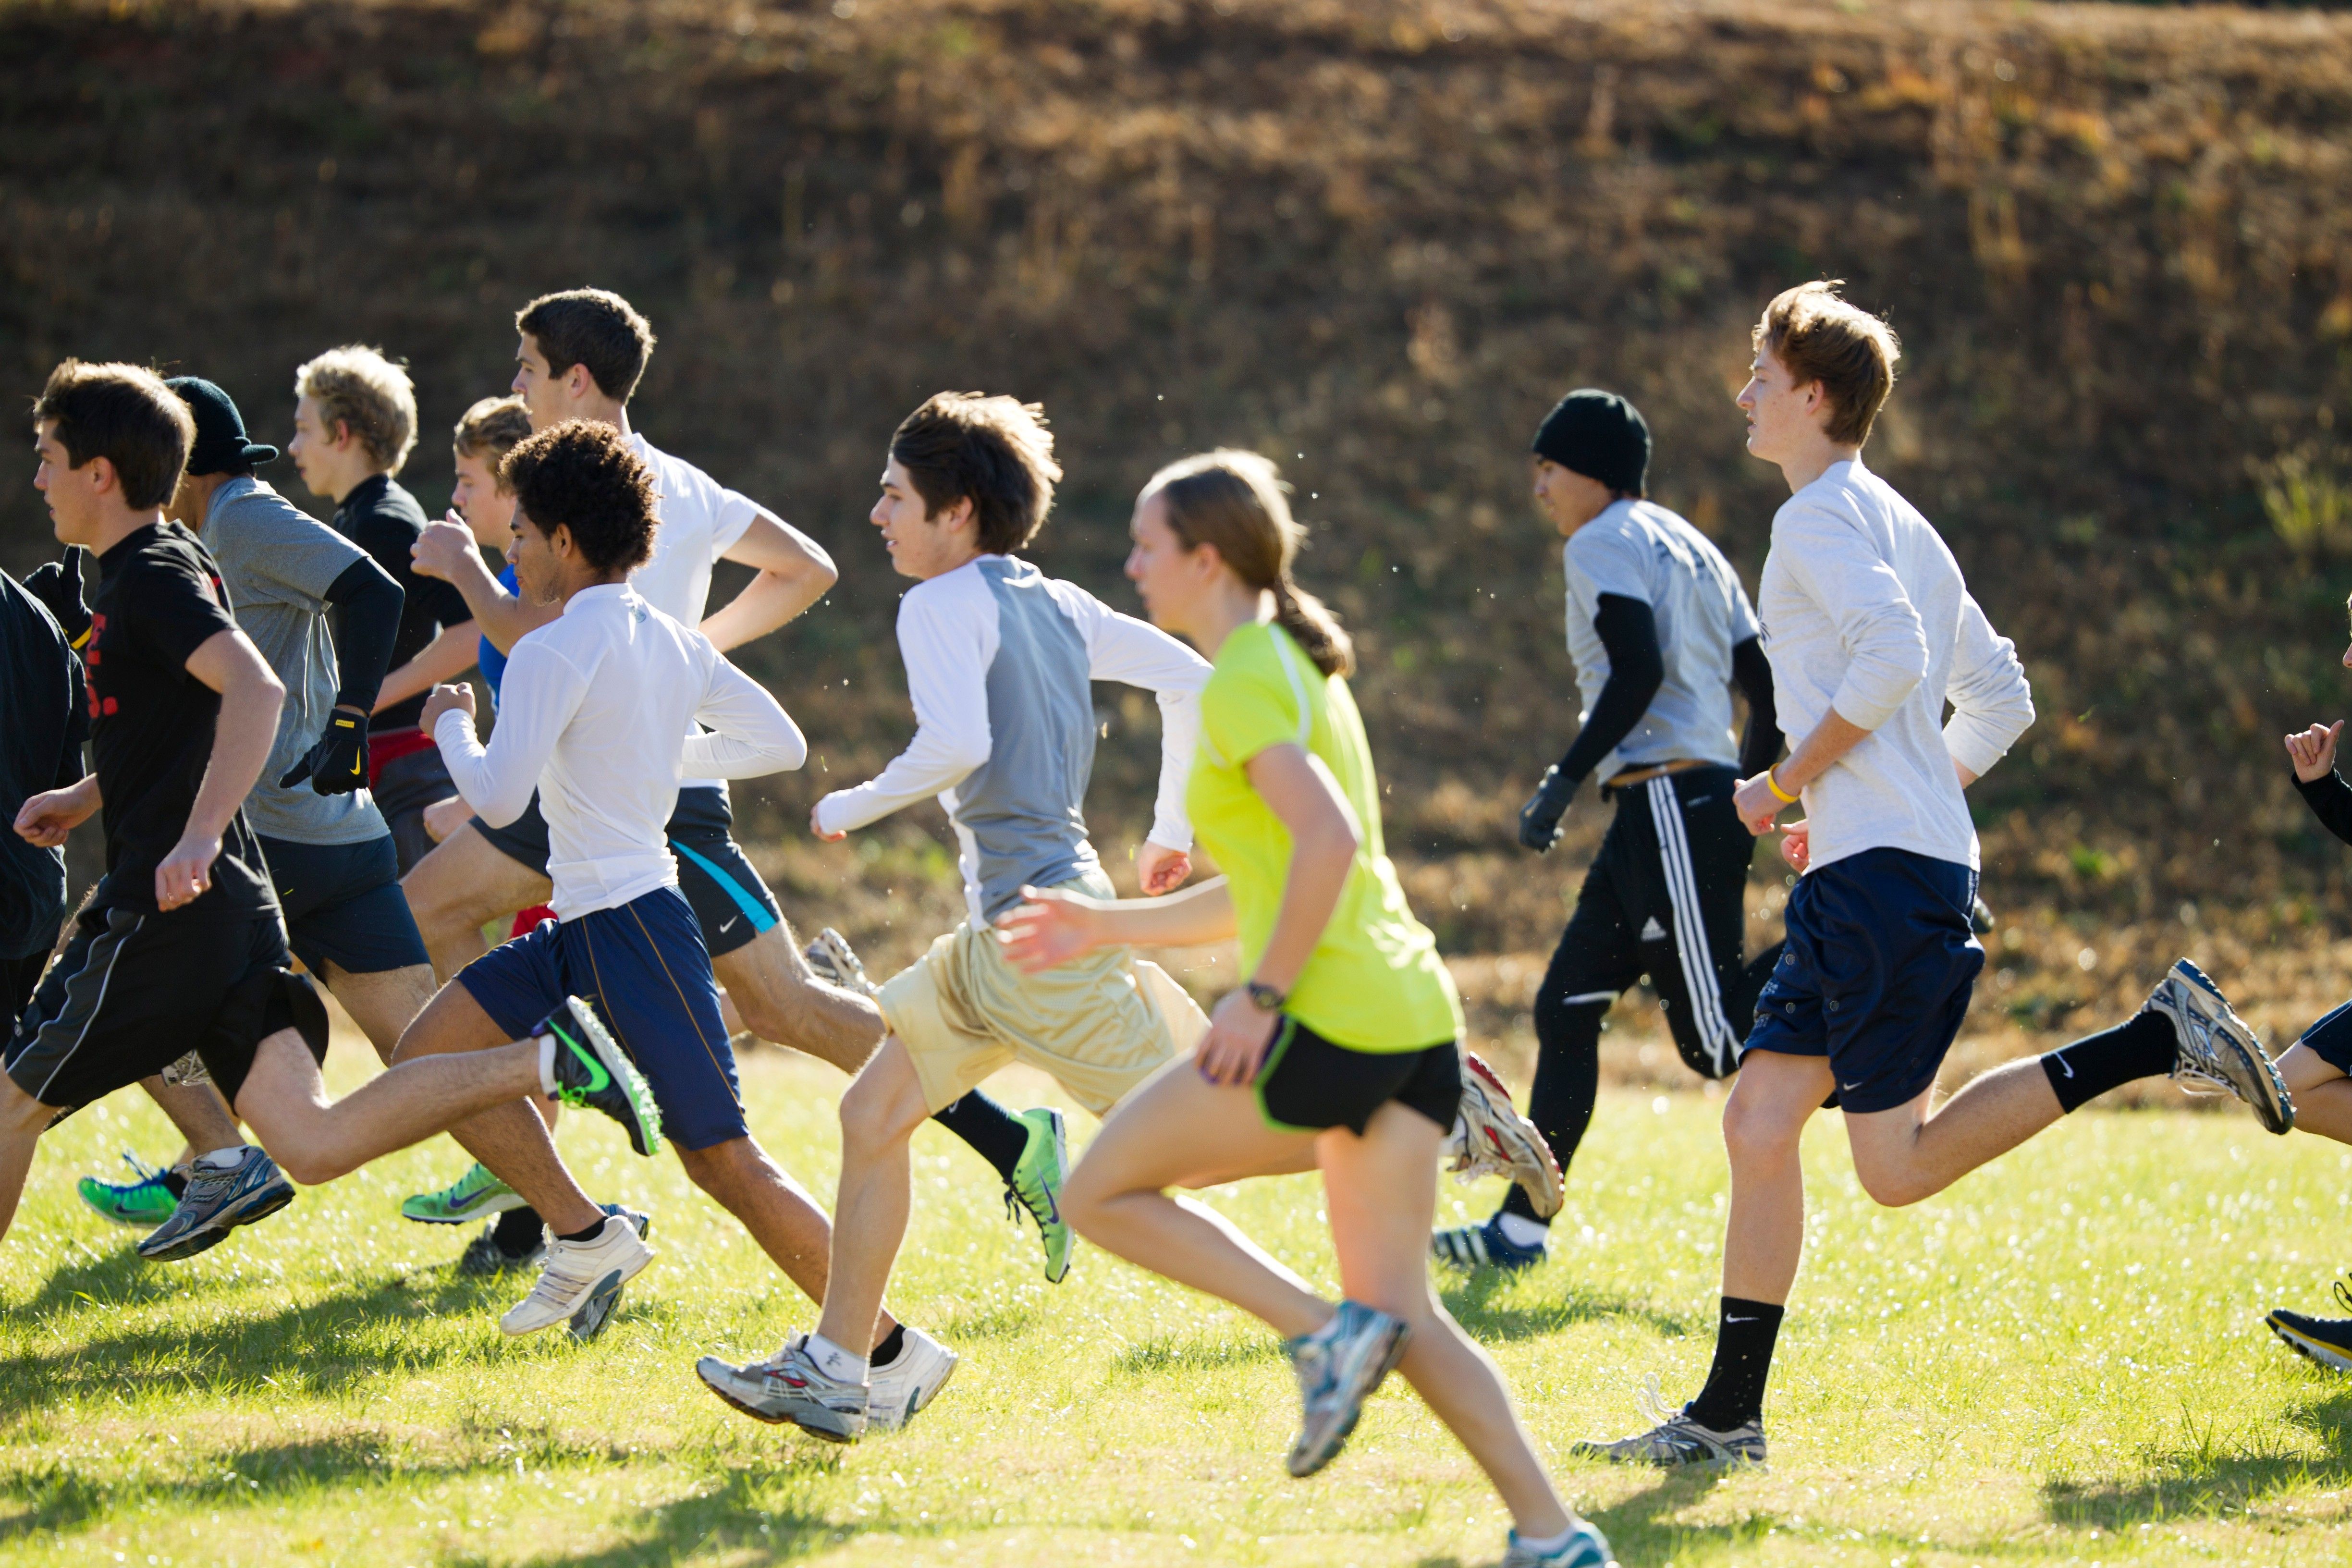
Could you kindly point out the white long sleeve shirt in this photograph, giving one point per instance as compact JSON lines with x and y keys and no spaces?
{"x":1865,"y":611}
{"x":599,"y":711}
{"x":999,"y":657}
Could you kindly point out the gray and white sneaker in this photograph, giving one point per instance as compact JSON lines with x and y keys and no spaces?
{"x":1674,"y":1441}
{"x":576,"y":1274}
{"x":1338,"y":1366}
{"x":1491,"y":1139}
{"x":216,"y":1202}
{"x":837,"y":963}
{"x":2218,"y":1052}
{"x":589,"y":1321}
{"x":789,"y":1386}
{"x":909,"y":1382}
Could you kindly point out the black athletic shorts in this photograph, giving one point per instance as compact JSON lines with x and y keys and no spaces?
{"x":1307,"y":1084}
{"x":17,"y":978}
{"x":2330,"y":1039}
{"x":1667,"y":897}
{"x":343,"y":904}
{"x":731,"y":902}
{"x":135,"y":992}
{"x":404,"y":787}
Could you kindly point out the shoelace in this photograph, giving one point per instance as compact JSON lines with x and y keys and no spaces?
{"x":146,"y":1173}
{"x":558,"y":1278}
{"x":1651,"y":1399}
{"x":2344,"y":1295}
{"x":2200,"y":1078}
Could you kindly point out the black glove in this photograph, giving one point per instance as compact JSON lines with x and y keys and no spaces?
{"x":58,"y":584}
{"x":1539,"y":819}
{"x":338,"y":764}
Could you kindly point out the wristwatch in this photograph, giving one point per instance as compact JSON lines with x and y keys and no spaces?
{"x":1264,"y":997}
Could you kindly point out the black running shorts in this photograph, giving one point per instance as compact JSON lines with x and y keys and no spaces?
{"x":133,"y":993}
{"x":1307,"y":1084}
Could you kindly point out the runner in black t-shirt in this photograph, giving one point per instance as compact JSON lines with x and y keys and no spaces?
{"x":182,"y":948}
{"x":42,"y":727}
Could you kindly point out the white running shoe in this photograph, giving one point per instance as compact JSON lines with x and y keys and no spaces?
{"x":2217,"y":1051}
{"x":837,"y":963}
{"x":1491,"y":1139}
{"x":909,"y":1382}
{"x":578,"y":1273}
{"x":790,"y":1386}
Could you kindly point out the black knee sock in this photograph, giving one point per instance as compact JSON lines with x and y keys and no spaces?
{"x":1734,"y":1395}
{"x":1568,"y":1078}
{"x":989,"y":1128}
{"x":887,"y":1351}
{"x":519,"y":1231}
{"x":2081,"y":1071}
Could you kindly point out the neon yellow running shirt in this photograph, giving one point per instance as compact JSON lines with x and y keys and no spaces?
{"x":1374,"y":981}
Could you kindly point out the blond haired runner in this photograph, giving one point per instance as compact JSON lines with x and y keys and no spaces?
{"x":1340,"y":1053}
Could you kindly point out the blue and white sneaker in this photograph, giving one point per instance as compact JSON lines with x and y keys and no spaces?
{"x":1338,"y":1366}
{"x":1470,"y":1247}
{"x":1586,"y":1548}
{"x":2217,"y":1051}
{"x":216,"y":1202}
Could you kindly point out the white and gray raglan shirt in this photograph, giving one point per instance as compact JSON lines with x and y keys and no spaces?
{"x":1000,"y":659}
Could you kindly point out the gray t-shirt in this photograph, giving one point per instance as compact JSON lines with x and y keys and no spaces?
{"x":1638,"y":551}
{"x":277,"y":563}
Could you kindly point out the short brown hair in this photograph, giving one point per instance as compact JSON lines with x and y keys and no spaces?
{"x":492,"y":428}
{"x":1821,"y":337}
{"x":126,"y":416}
{"x":593,"y":327}
{"x":992,"y":451}
{"x":583,"y":475}
{"x":355,"y":386}
{"x":1237,"y":501}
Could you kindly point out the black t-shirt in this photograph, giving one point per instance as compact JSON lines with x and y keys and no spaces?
{"x":384,"y":520}
{"x":43,"y":724}
{"x":150,"y":722}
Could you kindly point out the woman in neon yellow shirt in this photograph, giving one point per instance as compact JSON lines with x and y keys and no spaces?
{"x":1340,"y":1052}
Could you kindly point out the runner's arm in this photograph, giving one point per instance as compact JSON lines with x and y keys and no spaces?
{"x":1759,"y":747}
{"x":1629,"y":630}
{"x":753,"y":735}
{"x":449,"y":655}
{"x":448,"y":550}
{"x":1136,"y":653}
{"x":251,"y":698}
{"x":946,"y":656}
{"x":794,"y":572}
{"x":367,"y":604}
{"x":1992,"y":703}
{"x":1056,"y":926}
{"x":542,"y":690}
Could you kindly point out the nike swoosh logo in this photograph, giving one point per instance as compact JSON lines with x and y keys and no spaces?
{"x":728,"y":925}
{"x":2065,"y":1067}
{"x":1743,"y":1319}
{"x":1849,"y":1088}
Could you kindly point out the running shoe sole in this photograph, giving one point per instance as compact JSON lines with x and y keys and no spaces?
{"x":2334,"y":1358}
{"x":215,"y":1231}
{"x":593,"y":1319}
{"x":702,"y":1370}
{"x":1512,"y":1139}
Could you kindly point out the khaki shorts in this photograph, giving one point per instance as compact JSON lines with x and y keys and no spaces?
{"x":1099,"y":1024}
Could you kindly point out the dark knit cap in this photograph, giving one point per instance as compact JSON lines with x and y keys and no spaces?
{"x":1599,"y":434}
{"x":220,"y":447}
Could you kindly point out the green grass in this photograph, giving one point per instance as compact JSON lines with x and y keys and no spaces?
{"x":2059,"y":1361}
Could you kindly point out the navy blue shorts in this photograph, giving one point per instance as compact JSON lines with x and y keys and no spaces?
{"x":644,"y":966}
{"x":2330,"y":1039}
{"x":730,"y":901}
{"x":343,"y":904}
{"x":1877,"y":975}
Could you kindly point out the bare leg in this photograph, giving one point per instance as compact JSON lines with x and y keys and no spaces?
{"x":510,"y":1139}
{"x":314,"y":1140}
{"x":465,"y":882}
{"x":198,"y":1111}
{"x":776,"y":1210}
{"x":1179,"y":1130}
{"x":781,"y":998}
{"x":1904,"y":1154}
{"x":1764,"y":1234}
{"x":1380,"y":1191}
{"x":879,"y":1112}
{"x":382,"y":1003}
{"x":23,"y":1120}
{"x":2323,"y":1096}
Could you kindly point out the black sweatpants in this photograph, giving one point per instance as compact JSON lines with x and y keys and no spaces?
{"x":1666,"y":897}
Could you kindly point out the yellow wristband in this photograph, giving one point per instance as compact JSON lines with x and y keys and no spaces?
{"x":1772,"y":782}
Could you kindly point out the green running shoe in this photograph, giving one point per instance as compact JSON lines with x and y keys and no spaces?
{"x":471,"y":1197}
{"x":1037,"y":1185}
{"x":145,"y":1203}
{"x":592,"y":1070}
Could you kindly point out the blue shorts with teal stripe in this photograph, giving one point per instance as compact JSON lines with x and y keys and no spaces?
{"x":643,"y":967}
{"x":728,"y":898}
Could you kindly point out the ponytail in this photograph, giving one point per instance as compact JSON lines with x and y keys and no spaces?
{"x":1236,"y":501}
{"x":1314,"y":628}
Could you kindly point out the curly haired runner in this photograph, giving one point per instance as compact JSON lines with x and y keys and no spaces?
{"x":1340,"y":1053}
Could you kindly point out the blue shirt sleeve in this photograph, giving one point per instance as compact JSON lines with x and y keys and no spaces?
{"x":494,"y":663}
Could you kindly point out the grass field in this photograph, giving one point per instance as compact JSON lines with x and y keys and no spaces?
{"x":2060,"y":1361}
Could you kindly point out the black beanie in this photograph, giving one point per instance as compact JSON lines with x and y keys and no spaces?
{"x":1599,"y":434}
{"x":221,"y":446}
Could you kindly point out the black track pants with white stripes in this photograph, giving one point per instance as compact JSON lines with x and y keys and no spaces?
{"x":1666,"y":898}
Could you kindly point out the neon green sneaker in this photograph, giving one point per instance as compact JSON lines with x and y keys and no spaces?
{"x":1037,"y":1185}
{"x":471,"y":1197}
{"x":145,"y":1203}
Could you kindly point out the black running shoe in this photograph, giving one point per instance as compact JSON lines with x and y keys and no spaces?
{"x":2327,"y":1341}
{"x":590,"y":1069}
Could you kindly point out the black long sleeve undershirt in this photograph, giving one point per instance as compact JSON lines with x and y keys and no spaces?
{"x":1636,"y":669}
{"x":2330,"y":799}
{"x":367,"y":604}
{"x":1759,"y":745}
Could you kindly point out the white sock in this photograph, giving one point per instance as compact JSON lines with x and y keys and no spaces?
{"x":1521,"y":1231}
{"x":227,"y":1159}
{"x":547,"y":1064}
{"x":1542,"y":1543}
{"x":836,"y":1362}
